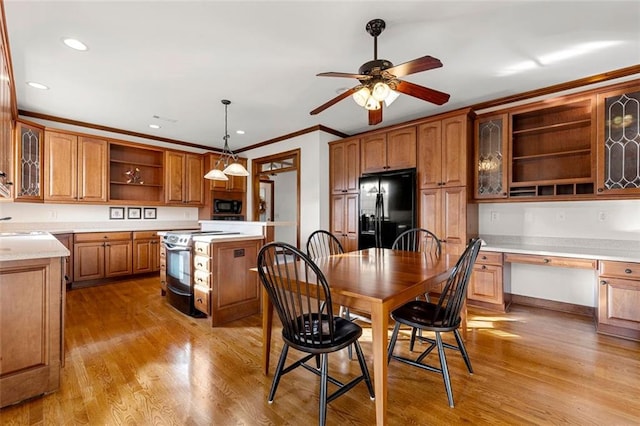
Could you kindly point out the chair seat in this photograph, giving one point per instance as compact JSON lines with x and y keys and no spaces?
{"x":344,"y":333}
{"x":421,"y":314}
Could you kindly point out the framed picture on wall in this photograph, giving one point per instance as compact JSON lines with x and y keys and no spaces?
{"x":150,"y":213}
{"x":116,"y":213}
{"x":134,"y":213}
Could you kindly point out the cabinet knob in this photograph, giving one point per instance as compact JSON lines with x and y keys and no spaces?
{"x":484,"y":267}
{"x":627,"y":271}
{"x":484,"y":257}
{"x":600,"y":189}
{"x":546,"y":261}
{"x":199,"y":300}
{"x":603,"y":282}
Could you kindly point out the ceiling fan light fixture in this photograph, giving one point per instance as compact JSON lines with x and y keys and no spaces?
{"x":227,"y":158}
{"x":361,"y":96}
{"x":392,"y":96}
{"x":380,"y":91}
{"x":372,"y":104}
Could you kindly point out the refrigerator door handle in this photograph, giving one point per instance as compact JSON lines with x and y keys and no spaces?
{"x":379,"y":218}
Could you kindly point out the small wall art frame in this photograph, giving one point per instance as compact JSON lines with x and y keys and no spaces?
{"x":116,"y":213}
{"x":150,"y":213}
{"x":134,"y":213}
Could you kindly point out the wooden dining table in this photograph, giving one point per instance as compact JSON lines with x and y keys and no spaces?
{"x":375,"y":281}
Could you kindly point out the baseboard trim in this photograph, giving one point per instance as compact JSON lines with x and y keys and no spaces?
{"x":587,"y":311}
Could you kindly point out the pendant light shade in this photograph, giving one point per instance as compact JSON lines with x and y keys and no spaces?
{"x":228,"y":159}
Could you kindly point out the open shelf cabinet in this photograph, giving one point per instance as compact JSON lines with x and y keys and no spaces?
{"x":136,"y":174}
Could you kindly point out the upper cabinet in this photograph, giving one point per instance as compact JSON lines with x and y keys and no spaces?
{"x":619,"y":141}
{"x":393,"y":150}
{"x":490,"y":154}
{"x":184,"y":177}
{"x":552,"y":149}
{"x":234,"y":184}
{"x":135,"y":174}
{"x":29,"y":167}
{"x":75,"y":168}
{"x":344,"y":166}
{"x":442,"y":151}
{"x":6,"y":145}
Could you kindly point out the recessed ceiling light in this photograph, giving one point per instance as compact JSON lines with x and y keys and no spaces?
{"x":37,"y":85}
{"x":75,"y":44}
{"x":154,"y":126}
{"x":240,"y":132}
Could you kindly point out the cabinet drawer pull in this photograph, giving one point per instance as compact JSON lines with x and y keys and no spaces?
{"x":484,"y":257}
{"x":603,"y":282}
{"x":627,"y":271}
{"x":484,"y":266}
{"x":546,"y":261}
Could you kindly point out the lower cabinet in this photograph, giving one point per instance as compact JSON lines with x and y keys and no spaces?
{"x":99,"y":255}
{"x":619,"y":299}
{"x":146,"y":252}
{"x":67,"y":241}
{"x":225,"y":288}
{"x":32,"y":331}
{"x":163,"y":270}
{"x":486,"y":287}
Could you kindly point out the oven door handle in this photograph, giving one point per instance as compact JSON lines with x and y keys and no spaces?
{"x":175,"y":248}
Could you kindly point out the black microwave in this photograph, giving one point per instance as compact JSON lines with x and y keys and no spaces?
{"x":221,"y":206}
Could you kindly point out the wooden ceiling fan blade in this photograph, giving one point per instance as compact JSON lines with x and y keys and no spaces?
{"x":335,"y":100}
{"x":417,"y":65}
{"x":344,"y":74}
{"x":375,"y":116}
{"x":421,"y":92}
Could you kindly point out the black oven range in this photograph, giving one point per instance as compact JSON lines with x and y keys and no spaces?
{"x":179,"y":263}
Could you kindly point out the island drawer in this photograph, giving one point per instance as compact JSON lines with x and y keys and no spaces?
{"x":627,"y":270}
{"x":201,"y":263}
{"x":200,"y":247}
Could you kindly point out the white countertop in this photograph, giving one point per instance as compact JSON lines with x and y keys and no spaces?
{"x":225,"y":238}
{"x":104,"y":226}
{"x":581,"y":248}
{"x":35,"y":245}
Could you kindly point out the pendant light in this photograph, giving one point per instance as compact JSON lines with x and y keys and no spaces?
{"x":227,"y":158}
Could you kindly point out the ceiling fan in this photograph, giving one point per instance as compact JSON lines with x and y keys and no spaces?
{"x":379,"y":80}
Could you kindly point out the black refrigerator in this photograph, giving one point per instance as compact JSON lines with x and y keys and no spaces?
{"x":387,"y":207}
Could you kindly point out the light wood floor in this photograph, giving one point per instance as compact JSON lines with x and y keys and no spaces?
{"x":131,"y":359}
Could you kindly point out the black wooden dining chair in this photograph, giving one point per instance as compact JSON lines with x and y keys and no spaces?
{"x":301,"y":296}
{"x":418,"y":239}
{"x":440,"y":317}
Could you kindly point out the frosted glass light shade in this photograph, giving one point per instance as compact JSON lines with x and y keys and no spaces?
{"x":361,"y":96}
{"x":392,"y":96}
{"x":380,"y":91}
{"x":372,"y":104}
{"x":235,"y":169}
{"x":216,"y":174}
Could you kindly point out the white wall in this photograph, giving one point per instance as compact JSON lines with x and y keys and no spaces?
{"x":610,"y":220}
{"x":314,"y":177}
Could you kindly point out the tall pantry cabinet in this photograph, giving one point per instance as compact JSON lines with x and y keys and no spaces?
{"x":344,"y":171}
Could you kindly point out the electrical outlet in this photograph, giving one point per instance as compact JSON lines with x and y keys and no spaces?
{"x":495,"y":216}
{"x":602,"y":216}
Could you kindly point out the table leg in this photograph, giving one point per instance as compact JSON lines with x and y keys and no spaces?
{"x":379,"y":327}
{"x":267,"y":322}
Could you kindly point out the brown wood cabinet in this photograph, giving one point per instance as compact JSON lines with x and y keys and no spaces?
{"x":344,"y":220}
{"x":618,"y":140}
{"x":6,"y":128}
{"x":99,"y":255}
{"x":443,"y":146}
{"x":29,"y":149}
{"x":619,"y":299}
{"x":184,"y":178}
{"x":67,"y":241}
{"x":234,"y":184}
{"x":163,"y":270}
{"x":393,"y":150}
{"x":563,"y":262}
{"x":136,"y":174}
{"x":486,"y":288}
{"x":225,"y":288}
{"x":344,"y":166}
{"x":32,"y":332}
{"x":75,"y":168}
{"x":491,"y":145}
{"x":146,"y":252}
{"x":445,"y":212}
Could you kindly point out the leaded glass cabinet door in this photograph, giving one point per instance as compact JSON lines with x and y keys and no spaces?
{"x":29,"y":172}
{"x":619,"y":141}
{"x":490,"y":167}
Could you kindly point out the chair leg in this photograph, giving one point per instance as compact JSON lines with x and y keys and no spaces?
{"x":347,"y":316}
{"x":463,"y":350}
{"x":412,"y":342}
{"x":365,"y":370}
{"x":392,"y":342}
{"x":278,"y":373}
{"x":324,"y":372}
{"x":444,"y":368}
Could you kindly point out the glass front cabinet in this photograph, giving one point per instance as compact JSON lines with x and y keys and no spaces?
{"x":619,"y":141}
{"x":29,"y":166}
{"x":490,"y":167}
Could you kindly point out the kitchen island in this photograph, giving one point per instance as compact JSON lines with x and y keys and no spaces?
{"x":32,"y":300}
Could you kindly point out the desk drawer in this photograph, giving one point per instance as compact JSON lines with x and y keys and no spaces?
{"x":202,"y":278}
{"x":626,"y":270}
{"x":489,"y":258}
{"x":564,"y":262}
{"x":201,"y":263}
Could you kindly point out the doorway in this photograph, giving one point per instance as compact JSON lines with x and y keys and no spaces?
{"x":277,"y":177}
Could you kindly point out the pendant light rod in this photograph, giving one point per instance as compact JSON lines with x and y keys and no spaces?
{"x":230,"y":160}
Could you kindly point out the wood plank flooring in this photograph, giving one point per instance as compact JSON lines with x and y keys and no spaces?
{"x":132,"y":359}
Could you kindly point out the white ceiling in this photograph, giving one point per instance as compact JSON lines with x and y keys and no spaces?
{"x":178,"y":59}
